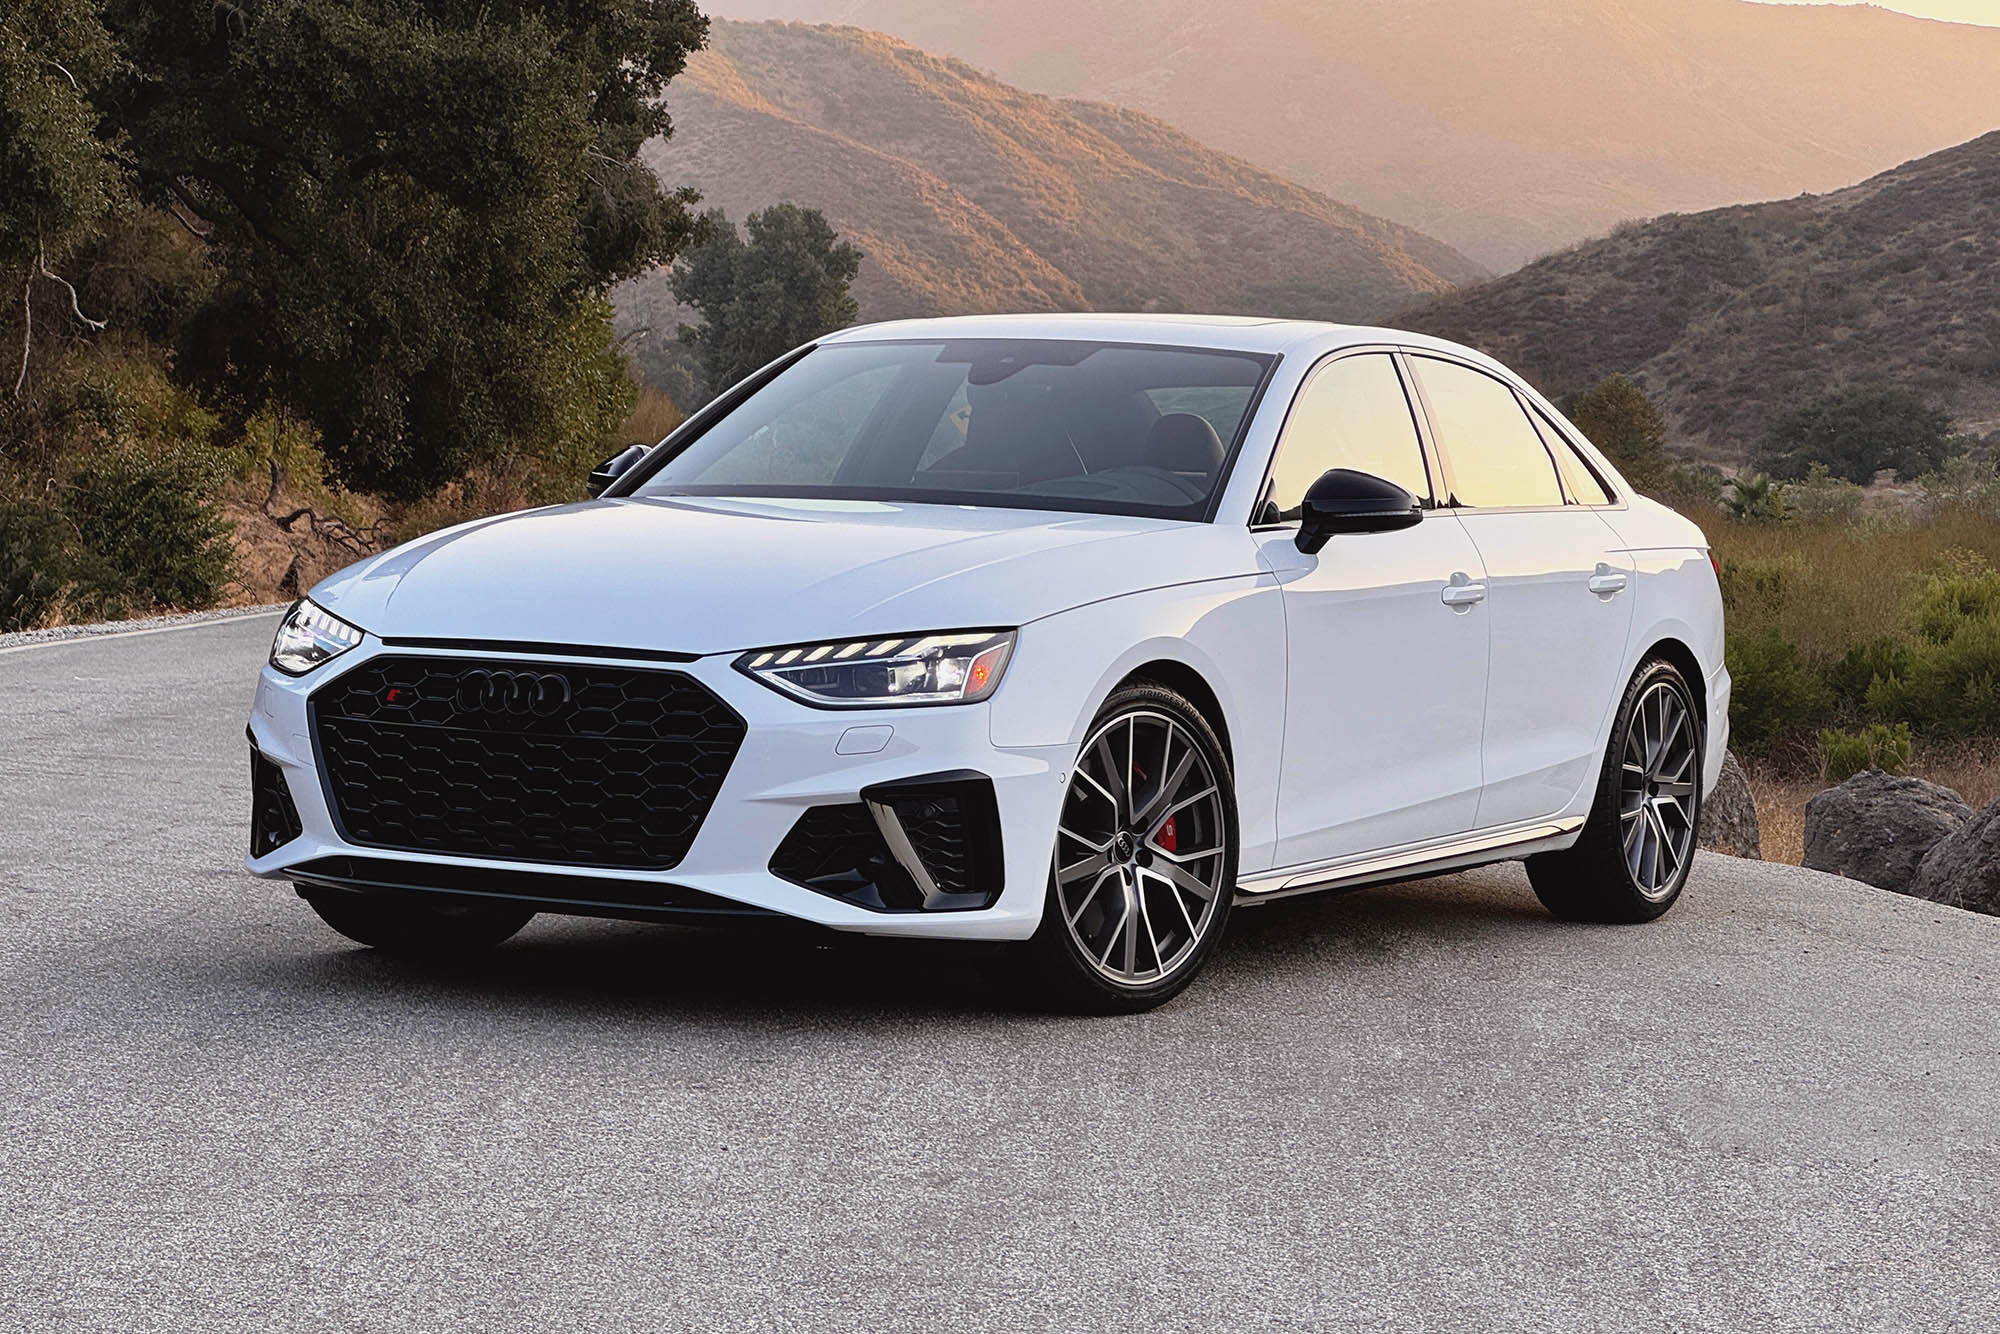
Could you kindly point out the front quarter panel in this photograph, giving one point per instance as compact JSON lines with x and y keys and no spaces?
{"x":1230,"y":631}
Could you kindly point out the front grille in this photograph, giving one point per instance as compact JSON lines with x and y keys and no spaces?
{"x":525,"y":761}
{"x":938,"y":831}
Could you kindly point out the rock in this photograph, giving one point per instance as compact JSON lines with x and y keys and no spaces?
{"x":1877,"y":827}
{"x":1963,"y":870}
{"x":1729,"y":815}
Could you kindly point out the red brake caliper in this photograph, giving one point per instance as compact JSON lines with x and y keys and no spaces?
{"x":1168,"y":840}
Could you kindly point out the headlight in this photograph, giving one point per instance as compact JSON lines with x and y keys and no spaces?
{"x":308,"y":636}
{"x":955,"y":667}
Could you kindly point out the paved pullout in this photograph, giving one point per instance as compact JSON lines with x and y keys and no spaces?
{"x":1426,"y":1106}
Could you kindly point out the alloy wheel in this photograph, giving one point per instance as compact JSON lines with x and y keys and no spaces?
{"x":1657,"y":786}
{"x":1140,"y":850}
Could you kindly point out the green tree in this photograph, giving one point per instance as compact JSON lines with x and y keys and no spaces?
{"x":405,"y":200}
{"x":1621,"y":421}
{"x":786,"y":285}
{"x":1857,"y":433}
{"x":58,"y":181}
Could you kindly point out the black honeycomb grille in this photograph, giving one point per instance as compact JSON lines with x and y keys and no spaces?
{"x":529,"y":761}
{"x":937,"y":831}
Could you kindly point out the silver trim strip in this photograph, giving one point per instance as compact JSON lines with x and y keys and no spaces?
{"x":1381,"y":866}
{"x":901,"y":848}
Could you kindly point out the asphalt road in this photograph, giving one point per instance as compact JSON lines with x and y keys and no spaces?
{"x":1421,"y":1107}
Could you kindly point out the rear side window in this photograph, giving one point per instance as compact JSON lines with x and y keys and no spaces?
{"x":1497,"y":458}
{"x":1352,"y":413}
{"x":1578,"y":476}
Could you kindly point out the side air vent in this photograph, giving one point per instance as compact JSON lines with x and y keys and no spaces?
{"x":274,"y":820}
{"x":919,"y":845}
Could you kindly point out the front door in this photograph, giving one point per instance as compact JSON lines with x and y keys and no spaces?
{"x":1385,"y":636}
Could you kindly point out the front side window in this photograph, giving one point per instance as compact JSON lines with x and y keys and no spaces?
{"x":1352,"y":413}
{"x":1022,"y":423}
{"x":1497,"y":458}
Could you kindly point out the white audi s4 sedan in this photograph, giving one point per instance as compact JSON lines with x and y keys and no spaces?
{"x":1070,"y":633}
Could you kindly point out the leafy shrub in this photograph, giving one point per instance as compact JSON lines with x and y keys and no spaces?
{"x":1821,"y":498}
{"x":43,"y":572}
{"x":1755,"y":499}
{"x":1950,"y":679}
{"x":1774,"y":693}
{"x":153,"y":520}
{"x":1856,"y":671}
{"x":1845,"y":754}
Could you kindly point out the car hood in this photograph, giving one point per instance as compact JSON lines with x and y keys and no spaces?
{"x":716,"y":575}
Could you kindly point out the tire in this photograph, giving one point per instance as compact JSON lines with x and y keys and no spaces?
{"x":1633,"y":857}
{"x":437,"y":927}
{"x":1117,"y":874}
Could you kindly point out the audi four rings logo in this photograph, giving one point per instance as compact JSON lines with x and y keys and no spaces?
{"x":537,"y":693}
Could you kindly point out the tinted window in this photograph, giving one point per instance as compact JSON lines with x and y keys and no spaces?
{"x":994,"y":421}
{"x":1578,"y":476}
{"x":1352,"y":414}
{"x":1497,"y":458}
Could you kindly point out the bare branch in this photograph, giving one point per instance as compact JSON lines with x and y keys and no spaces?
{"x":65,"y":73}
{"x":27,"y":328}
{"x":42,"y":264}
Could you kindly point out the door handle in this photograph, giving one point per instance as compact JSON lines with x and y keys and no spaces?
{"x":1462,"y":592}
{"x":1607,"y":582}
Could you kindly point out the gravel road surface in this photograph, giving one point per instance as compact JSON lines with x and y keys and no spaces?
{"x":1427,"y":1106}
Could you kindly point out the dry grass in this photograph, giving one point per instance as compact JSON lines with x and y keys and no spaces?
{"x":1971,"y":769}
{"x":1837,"y":585}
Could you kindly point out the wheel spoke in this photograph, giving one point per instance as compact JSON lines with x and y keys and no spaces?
{"x":1171,"y":785}
{"x":1091,"y":843}
{"x":1095,"y":864}
{"x":1088,"y":898}
{"x":1181,"y":879}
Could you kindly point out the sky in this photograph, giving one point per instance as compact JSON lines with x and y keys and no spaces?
{"x":1961,"y":11}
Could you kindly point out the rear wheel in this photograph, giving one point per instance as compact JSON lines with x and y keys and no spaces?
{"x":439,"y":927}
{"x":1144,"y":869}
{"x":1634,"y":855}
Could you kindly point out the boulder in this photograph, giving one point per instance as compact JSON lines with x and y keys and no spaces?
{"x":1963,"y":870}
{"x":1729,"y":814}
{"x":1878,"y":827}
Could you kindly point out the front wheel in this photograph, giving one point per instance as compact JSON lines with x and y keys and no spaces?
{"x":444,"y":927}
{"x":1144,"y":869}
{"x":1635,"y":852}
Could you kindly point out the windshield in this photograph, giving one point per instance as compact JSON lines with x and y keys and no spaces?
{"x":1098,"y":427}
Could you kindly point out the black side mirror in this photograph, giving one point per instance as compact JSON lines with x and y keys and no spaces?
{"x":609,"y":471}
{"x":1346,"y":501}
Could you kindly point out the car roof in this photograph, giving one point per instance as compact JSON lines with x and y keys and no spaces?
{"x":1234,"y":333}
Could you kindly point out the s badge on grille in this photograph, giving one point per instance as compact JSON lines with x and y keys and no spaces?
{"x":518,"y":693}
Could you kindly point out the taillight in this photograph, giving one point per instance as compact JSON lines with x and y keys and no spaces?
{"x":1714,"y":564}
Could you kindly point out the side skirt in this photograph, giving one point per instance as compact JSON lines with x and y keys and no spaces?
{"x":1410,"y":863}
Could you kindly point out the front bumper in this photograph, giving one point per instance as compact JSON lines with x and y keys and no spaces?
{"x":789,"y":763}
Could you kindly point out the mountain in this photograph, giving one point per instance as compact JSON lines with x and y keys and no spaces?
{"x":1507,"y":128}
{"x":971,"y":196}
{"x":1728,"y":317}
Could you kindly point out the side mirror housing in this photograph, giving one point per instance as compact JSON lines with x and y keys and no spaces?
{"x":1346,"y":501}
{"x":609,"y":471}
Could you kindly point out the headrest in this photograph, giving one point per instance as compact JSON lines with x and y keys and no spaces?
{"x":1183,"y":442}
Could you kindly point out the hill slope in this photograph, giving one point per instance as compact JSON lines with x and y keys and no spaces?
{"x":1505,"y":129}
{"x":970,"y":196}
{"x":1731,"y":315}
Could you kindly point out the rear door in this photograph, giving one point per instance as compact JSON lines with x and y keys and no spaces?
{"x":1557,"y":599}
{"x":1386,"y":680}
